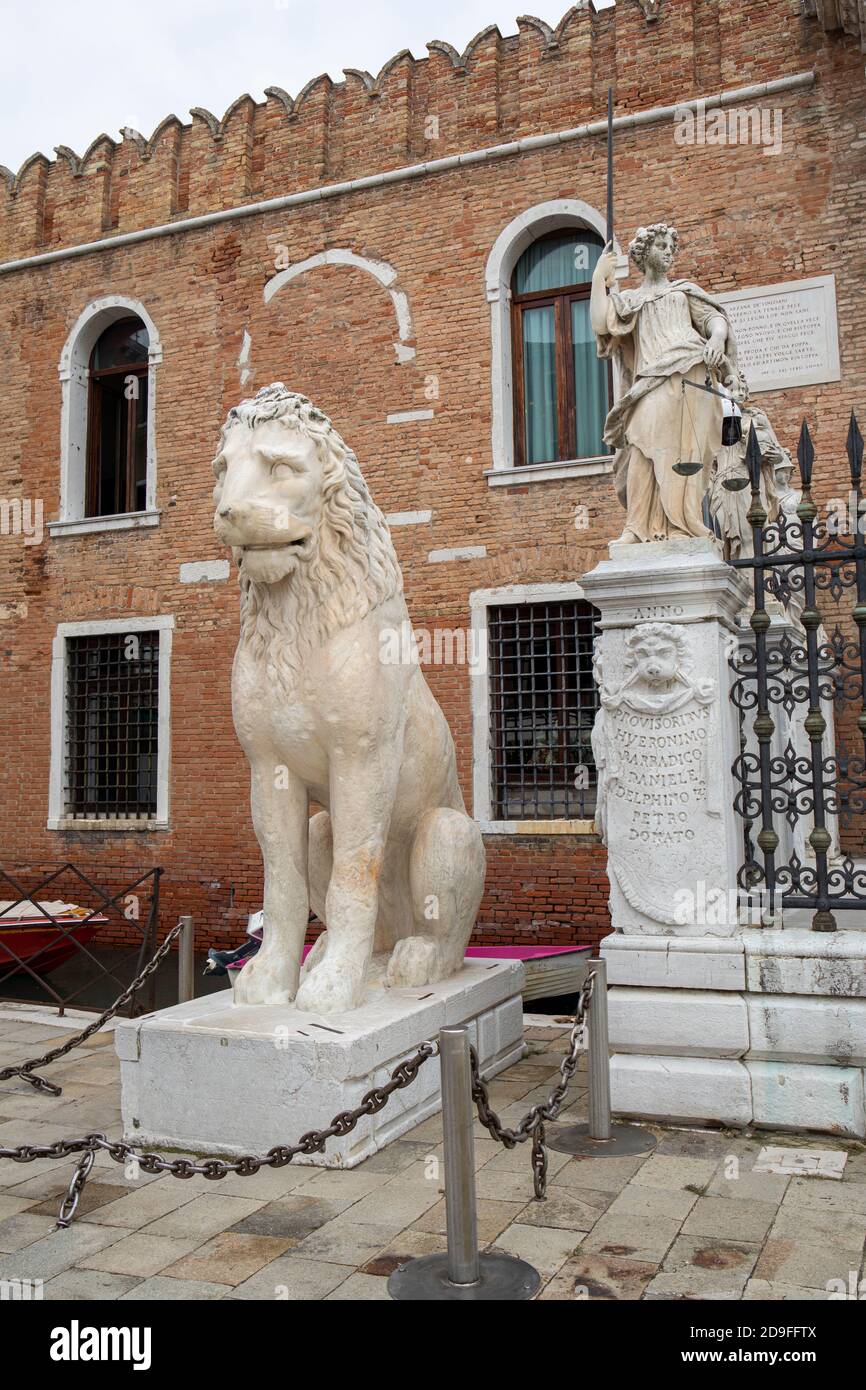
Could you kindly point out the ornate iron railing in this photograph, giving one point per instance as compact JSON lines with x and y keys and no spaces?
{"x":799,"y":684}
{"x":60,"y":939}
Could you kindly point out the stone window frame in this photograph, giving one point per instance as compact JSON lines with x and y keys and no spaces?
{"x":74,"y":372}
{"x":559,"y":214}
{"x":479,"y":694}
{"x":97,"y":627}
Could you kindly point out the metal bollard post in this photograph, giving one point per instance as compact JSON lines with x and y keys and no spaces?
{"x":460,"y":1205}
{"x":599,"y":1056}
{"x":186,"y":962}
{"x":463,"y":1273}
{"x":600,"y":1138}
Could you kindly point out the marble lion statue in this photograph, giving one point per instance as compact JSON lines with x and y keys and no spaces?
{"x":393,"y":865}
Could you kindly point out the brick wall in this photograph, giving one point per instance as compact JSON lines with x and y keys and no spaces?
{"x":745,"y":218}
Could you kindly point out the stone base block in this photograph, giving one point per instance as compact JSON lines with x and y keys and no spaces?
{"x":681,"y":1090}
{"x":788,"y":1095}
{"x":212,"y":1077}
{"x":707,"y":1030}
{"x":682,"y":1022}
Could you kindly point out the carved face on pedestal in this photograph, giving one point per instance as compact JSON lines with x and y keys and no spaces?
{"x":655,"y":657}
{"x":268,"y":497}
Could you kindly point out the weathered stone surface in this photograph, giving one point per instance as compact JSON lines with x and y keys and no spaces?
{"x":682,"y":1089}
{"x":721,"y":1219}
{"x":213,"y":1077}
{"x":789,"y":1095}
{"x":664,"y":739}
{"x":799,"y":961}
{"x":674,"y":962}
{"x":680,"y":1023}
{"x":600,"y":1277}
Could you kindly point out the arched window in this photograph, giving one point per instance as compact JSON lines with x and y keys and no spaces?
{"x":117,"y":420}
{"x":108,"y":378}
{"x":562,"y":390}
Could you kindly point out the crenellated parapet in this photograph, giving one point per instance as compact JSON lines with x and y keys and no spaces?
{"x":499,"y":88}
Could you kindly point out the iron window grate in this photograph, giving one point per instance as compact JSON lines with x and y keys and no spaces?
{"x":543,"y":701}
{"x":112,"y":706}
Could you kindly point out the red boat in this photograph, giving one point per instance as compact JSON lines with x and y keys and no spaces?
{"x":27,"y":935}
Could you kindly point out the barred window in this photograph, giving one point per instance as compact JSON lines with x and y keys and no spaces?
{"x":543,"y":701}
{"x":112,"y":690}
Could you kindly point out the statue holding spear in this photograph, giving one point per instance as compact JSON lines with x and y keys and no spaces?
{"x":666,"y":334}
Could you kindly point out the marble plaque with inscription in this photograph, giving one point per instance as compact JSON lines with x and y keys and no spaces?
{"x":654,"y":748}
{"x":787,"y":334}
{"x":666,"y":735}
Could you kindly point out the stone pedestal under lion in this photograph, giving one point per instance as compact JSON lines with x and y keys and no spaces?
{"x":392,"y":864}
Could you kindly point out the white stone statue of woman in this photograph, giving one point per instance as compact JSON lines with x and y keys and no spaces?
{"x":664,"y":332}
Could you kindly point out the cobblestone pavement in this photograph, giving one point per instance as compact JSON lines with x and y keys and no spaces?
{"x":690,"y":1221}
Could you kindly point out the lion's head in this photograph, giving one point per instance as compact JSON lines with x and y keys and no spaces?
{"x":656,"y":653}
{"x":313,"y":550}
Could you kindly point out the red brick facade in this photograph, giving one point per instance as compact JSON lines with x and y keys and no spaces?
{"x":745,"y":218}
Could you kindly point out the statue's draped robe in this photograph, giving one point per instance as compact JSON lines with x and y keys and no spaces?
{"x":660,"y":336}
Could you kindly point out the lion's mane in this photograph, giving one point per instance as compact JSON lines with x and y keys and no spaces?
{"x":353,"y":568}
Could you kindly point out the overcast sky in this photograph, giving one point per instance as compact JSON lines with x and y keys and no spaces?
{"x":71,"y":69}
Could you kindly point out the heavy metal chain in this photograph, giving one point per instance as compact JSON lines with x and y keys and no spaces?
{"x":25,"y":1071}
{"x":533,"y":1122}
{"x":215,"y":1168}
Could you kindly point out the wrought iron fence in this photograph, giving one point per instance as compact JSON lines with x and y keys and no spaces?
{"x":38,"y":937}
{"x":799,"y":685}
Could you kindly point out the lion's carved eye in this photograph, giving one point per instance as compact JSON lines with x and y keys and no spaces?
{"x":281,"y":469}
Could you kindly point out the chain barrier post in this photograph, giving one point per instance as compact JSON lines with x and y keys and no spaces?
{"x":600,"y":1138}
{"x":186,"y":962}
{"x":460,"y":1205}
{"x":599,"y":1057}
{"x":464,"y":1273}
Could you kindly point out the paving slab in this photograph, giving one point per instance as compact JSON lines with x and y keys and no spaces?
{"x":842,"y":1229}
{"x":760,"y":1290}
{"x":159,"y":1289}
{"x":23,"y":1229}
{"x":567,"y":1209}
{"x":546,"y":1248}
{"x":202,"y":1217}
{"x":60,"y":1250}
{"x":292,"y":1217}
{"x":228,"y":1258}
{"x":721,"y":1219}
{"x":345,"y":1242}
{"x":600,"y":1174}
{"x":653,"y":1202}
{"x":361,"y":1288}
{"x":90,"y":1286}
{"x":608,"y":1277}
{"x":787,"y":1261}
{"x":642,"y":1238}
{"x":493,"y":1217}
{"x":290,"y":1279}
{"x":136,"y":1254}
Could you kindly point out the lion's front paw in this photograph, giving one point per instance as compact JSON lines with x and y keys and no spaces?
{"x":416,"y":960}
{"x":332,"y":987}
{"x":265,"y":981}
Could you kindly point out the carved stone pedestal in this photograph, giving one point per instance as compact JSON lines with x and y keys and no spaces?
{"x":214,"y":1077}
{"x":713,"y":1019}
{"x":666,"y":736}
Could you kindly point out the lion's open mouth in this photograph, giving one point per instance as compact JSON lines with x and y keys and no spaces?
{"x":300,"y":543}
